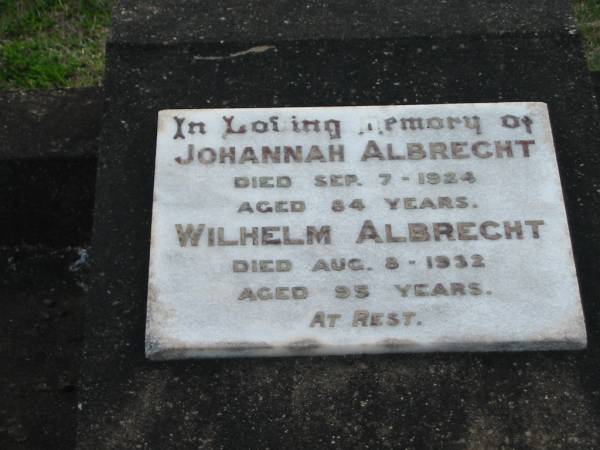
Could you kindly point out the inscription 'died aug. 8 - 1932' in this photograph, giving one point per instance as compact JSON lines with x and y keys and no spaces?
{"x":298,"y":231}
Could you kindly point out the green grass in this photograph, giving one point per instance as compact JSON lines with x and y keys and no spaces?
{"x":52,"y":43}
{"x":588,"y":15}
{"x":60,"y":43}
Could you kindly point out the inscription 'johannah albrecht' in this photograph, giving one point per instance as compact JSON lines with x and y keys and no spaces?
{"x":411,"y":151}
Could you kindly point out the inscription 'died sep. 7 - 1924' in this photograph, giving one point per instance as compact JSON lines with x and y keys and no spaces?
{"x":298,"y":231}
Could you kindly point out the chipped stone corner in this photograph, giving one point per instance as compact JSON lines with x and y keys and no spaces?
{"x":153,"y":348}
{"x":159,"y":347}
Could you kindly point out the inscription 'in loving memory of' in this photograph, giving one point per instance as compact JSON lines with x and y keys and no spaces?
{"x":420,"y":221}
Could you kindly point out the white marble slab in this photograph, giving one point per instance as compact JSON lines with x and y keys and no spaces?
{"x":301,"y":231}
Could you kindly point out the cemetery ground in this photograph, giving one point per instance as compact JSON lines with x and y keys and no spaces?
{"x":60,"y":43}
{"x":46,"y":44}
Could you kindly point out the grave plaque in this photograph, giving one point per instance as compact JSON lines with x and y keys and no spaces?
{"x":333,"y":230}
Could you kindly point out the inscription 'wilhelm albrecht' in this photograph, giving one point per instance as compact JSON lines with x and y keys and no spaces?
{"x":192,"y":235}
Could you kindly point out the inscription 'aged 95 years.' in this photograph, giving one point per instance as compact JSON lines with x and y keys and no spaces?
{"x":298,"y":231}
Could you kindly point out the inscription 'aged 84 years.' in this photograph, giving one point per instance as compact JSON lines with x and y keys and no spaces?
{"x":298,"y":231}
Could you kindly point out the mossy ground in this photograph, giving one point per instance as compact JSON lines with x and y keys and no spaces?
{"x":60,"y":43}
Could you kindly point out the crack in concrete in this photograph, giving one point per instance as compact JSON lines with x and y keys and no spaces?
{"x":252,"y":50}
